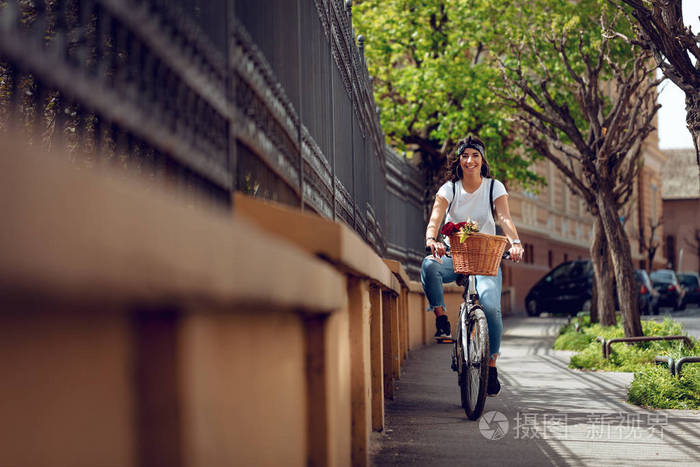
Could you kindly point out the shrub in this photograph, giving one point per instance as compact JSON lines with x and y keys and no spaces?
{"x":623,"y":357}
{"x":653,"y":386}
{"x":573,"y":341}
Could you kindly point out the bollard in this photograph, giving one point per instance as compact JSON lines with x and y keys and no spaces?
{"x":668,"y":360}
{"x":601,"y":339}
{"x":683,"y":360}
{"x":606,"y":345}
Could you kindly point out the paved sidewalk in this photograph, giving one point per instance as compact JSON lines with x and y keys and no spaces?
{"x":546,"y":413}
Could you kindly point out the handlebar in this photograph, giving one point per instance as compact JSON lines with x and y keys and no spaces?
{"x":506,"y":254}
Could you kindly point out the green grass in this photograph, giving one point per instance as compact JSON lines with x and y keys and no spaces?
{"x":652,"y":386}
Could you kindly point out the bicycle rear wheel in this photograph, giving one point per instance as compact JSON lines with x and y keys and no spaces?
{"x":474,"y":374}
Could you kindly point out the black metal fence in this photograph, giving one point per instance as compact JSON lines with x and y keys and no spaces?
{"x":269,"y":97}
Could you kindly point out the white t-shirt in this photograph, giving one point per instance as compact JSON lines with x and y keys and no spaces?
{"x":473,"y":205}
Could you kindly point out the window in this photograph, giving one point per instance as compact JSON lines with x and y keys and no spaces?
{"x":566,"y":257}
{"x":529,"y":254}
{"x":662,"y":274}
{"x":529,"y":194}
{"x":671,"y":250}
{"x":562,"y":271}
{"x":689,"y":281}
{"x":550,"y":258}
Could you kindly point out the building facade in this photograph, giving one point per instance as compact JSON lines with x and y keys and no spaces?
{"x":681,"y":211}
{"x":555,"y":226}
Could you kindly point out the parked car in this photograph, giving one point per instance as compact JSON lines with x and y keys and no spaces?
{"x":690,"y":281}
{"x":562,"y":290}
{"x":648,"y":295}
{"x":671,"y":293}
{"x":568,"y":288}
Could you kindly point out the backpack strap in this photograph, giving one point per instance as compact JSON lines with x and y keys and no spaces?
{"x":448,"y":207}
{"x":499,"y":230}
{"x":453,"y":200}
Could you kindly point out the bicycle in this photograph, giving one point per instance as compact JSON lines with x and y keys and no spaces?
{"x":470,"y":353}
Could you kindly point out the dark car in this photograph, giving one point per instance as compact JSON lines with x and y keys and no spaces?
{"x":691,"y":283}
{"x":568,"y":288}
{"x":563,"y":290}
{"x":648,"y":295}
{"x":670,"y":291}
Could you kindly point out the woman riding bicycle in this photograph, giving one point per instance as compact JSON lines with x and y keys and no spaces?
{"x":467,"y":194}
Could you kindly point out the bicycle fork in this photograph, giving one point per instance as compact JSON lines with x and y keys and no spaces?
{"x":471,"y":299}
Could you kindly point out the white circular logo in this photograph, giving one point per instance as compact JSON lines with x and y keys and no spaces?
{"x":493,"y":425}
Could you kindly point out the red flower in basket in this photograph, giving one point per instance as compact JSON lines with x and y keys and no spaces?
{"x":463,"y":228}
{"x":448,"y":229}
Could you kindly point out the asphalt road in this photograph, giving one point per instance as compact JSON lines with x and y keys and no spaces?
{"x":690,"y":318}
{"x":546,"y":413}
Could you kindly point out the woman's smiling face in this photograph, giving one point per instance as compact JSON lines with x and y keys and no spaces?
{"x":470,"y":161}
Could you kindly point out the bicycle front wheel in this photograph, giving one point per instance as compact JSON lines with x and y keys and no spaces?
{"x":475,"y":369}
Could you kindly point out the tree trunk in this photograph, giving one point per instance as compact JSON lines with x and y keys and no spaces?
{"x":603,"y":302}
{"x":651,"y":252}
{"x":692,"y":119}
{"x":594,"y":297}
{"x":619,"y":247}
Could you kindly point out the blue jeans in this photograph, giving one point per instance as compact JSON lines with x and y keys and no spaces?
{"x":434,"y":274}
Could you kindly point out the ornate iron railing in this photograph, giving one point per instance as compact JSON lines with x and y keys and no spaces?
{"x":270,"y":97}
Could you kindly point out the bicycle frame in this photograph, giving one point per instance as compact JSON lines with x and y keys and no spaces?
{"x":471,"y":300}
{"x":469,"y":357}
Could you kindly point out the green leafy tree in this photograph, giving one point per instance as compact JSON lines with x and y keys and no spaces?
{"x":568,"y":91}
{"x":428,"y":60}
{"x":586,"y":102}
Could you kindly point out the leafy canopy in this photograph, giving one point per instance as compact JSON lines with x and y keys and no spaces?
{"x":528,"y":32}
{"x":429,"y":61}
{"x":435,"y":67}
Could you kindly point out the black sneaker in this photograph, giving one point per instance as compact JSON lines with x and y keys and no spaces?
{"x":494,"y":386}
{"x":442,"y":324}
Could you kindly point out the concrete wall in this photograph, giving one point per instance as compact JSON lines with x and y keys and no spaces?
{"x":66,"y":387}
{"x":139,"y":329}
{"x":417,"y":317}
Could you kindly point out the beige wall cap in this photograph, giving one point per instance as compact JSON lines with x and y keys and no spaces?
{"x":322,"y":237}
{"x":91,"y":235}
{"x":398,"y":270}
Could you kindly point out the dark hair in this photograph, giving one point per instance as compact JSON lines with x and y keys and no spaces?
{"x":454,"y":170}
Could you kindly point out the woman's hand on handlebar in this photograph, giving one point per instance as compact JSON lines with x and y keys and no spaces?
{"x":516,"y":252}
{"x":437,"y":248}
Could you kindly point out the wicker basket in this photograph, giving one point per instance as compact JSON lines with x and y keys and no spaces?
{"x":480,"y":253}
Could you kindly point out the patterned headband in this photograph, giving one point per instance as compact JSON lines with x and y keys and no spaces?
{"x":470,"y":144}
